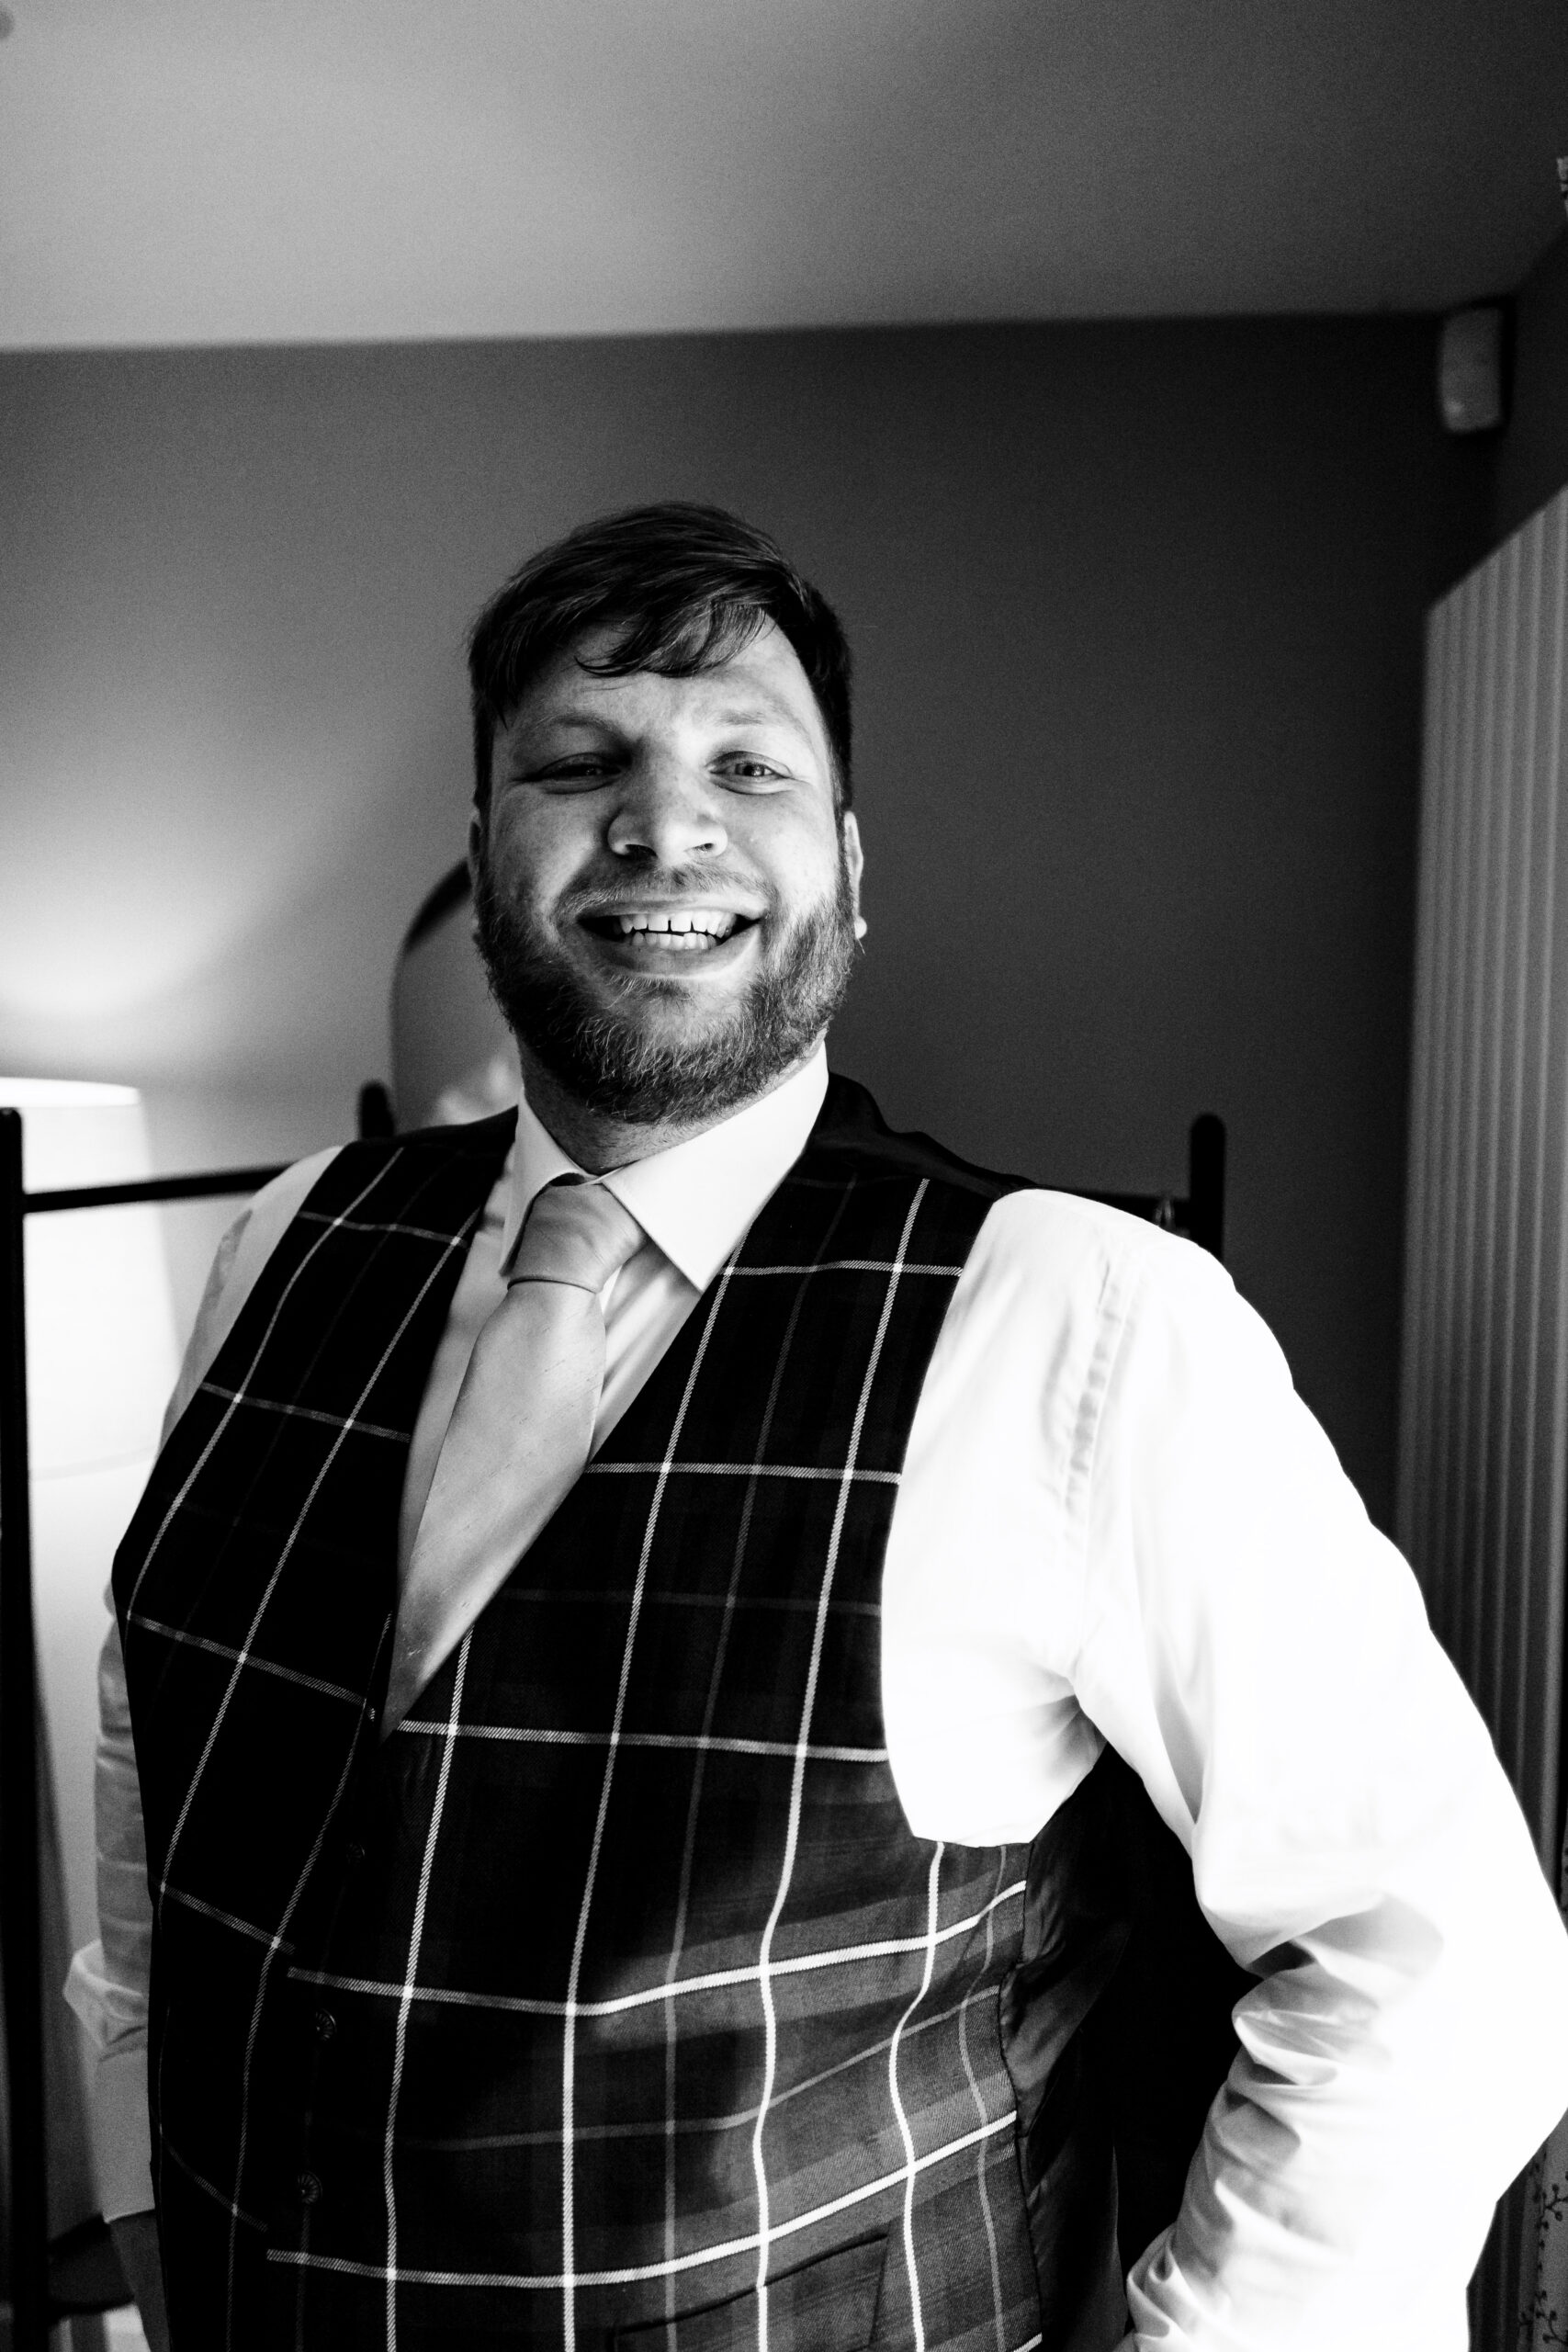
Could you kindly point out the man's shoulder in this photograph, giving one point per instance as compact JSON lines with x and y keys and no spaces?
{"x":460,"y":1139}
{"x":1034,"y":1224}
{"x":1028,"y":1232}
{"x":347,"y":1168}
{"x":851,"y":1128}
{"x":325,"y":1182}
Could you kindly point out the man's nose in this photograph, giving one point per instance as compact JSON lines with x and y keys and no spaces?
{"x":666,"y":812}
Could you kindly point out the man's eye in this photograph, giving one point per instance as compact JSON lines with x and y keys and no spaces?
{"x":580,"y":770}
{"x":741,"y":770}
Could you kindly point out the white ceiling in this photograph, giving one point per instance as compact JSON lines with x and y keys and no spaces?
{"x":201,"y":170}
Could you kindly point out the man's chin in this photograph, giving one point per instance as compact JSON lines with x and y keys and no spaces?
{"x":664,"y":1086}
{"x":660,"y":1010}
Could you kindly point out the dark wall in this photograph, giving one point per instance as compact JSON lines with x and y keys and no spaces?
{"x":1138,"y":617}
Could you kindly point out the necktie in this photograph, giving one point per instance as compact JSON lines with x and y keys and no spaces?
{"x":520,"y":1430}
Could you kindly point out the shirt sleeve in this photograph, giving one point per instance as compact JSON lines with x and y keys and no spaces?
{"x":1260,"y":1655}
{"x":108,"y":1982}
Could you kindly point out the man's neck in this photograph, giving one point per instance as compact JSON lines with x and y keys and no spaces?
{"x":597,"y":1143}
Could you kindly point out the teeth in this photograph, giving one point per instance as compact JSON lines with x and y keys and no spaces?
{"x":688,"y":924}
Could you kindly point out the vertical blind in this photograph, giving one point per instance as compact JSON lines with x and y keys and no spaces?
{"x":1484,"y":1450}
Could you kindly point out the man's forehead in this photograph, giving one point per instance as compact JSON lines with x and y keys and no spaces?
{"x":761,"y":680}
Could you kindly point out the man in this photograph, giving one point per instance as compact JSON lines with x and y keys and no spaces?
{"x":637,"y":1636}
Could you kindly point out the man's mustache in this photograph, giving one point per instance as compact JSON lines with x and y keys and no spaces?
{"x":672,"y":885}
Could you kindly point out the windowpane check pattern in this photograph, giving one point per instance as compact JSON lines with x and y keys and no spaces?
{"x":611,"y":1998}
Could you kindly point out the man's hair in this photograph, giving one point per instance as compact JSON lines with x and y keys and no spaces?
{"x":684,"y":587}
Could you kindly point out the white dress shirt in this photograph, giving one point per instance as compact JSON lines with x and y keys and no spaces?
{"x":1118,"y":1523}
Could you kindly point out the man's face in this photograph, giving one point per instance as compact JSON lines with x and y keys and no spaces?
{"x":666,"y":899}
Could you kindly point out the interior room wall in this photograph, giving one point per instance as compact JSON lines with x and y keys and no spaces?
{"x":1530,"y":453}
{"x":1137,"y":610}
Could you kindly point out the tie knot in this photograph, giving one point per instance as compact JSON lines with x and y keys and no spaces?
{"x":577,"y":1234}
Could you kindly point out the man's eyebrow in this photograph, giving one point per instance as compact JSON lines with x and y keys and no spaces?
{"x":763,"y":713}
{"x":540,"y":737}
{"x":594,"y":718}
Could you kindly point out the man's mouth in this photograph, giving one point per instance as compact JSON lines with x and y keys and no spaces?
{"x":689,"y":931}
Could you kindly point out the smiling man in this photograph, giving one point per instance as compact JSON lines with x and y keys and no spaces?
{"x":652,"y":1663}
{"x":666,"y":881}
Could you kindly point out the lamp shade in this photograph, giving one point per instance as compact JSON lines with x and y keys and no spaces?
{"x":101,"y":1361}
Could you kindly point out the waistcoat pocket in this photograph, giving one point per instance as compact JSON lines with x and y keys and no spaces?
{"x":828,"y":2305}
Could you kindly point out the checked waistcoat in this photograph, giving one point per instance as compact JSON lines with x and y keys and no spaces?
{"x":611,"y":2001}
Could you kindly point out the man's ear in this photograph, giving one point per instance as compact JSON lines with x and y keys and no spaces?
{"x":854,"y":865}
{"x":475,"y":851}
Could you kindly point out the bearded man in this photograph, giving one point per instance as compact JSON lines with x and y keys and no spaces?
{"x":647,"y":1632}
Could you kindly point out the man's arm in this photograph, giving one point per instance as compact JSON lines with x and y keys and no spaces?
{"x":1260,"y":1653}
{"x":108,"y":1988}
{"x":1117,"y":1520}
{"x":108,"y":1980}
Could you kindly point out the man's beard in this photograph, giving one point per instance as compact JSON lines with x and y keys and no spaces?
{"x":606,"y":1058}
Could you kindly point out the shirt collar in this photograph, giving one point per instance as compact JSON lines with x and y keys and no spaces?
{"x":695,"y":1199}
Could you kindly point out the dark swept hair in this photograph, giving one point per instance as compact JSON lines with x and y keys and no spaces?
{"x":686,"y":586}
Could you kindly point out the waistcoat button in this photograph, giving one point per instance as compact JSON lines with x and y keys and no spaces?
{"x":354,"y":1855}
{"x":326,"y":2025}
{"x":307,"y":2188}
